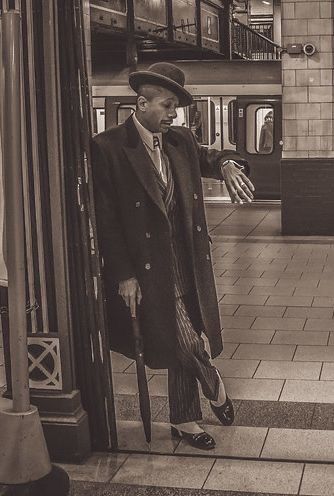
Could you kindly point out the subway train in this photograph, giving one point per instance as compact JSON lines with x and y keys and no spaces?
{"x":237,"y":105}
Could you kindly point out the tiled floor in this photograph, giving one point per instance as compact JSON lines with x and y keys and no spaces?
{"x":276,"y":297}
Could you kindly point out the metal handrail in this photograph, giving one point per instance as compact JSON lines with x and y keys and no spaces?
{"x":249,"y":44}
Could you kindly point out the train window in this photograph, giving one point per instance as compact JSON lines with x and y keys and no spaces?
{"x":259,"y":127}
{"x":232,"y":122}
{"x":202,"y":121}
{"x":182,"y":118}
{"x":100,"y":120}
{"x":123,"y":112}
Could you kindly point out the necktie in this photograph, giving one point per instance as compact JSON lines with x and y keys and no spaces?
{"x":159,"y":156}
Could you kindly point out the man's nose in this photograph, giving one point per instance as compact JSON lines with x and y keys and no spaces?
{"x":173,"y":114}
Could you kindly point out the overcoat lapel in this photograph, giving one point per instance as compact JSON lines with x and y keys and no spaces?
{"x":140,"y":161}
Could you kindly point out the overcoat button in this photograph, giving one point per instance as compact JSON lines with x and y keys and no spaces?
{"x":148,"y":235}
{"x":147,"y":266}
{"x":195,"y":196}
{"x":138,"y":204}
{"x":199,"y":228}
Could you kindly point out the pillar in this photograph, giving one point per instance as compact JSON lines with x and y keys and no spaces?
{"x":308,"y":150}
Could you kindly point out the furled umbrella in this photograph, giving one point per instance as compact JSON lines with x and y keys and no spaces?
{"x":144,"y":398}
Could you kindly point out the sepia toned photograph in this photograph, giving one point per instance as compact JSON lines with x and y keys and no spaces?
{"x":166,"y":248}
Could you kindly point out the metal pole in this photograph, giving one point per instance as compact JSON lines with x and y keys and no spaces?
{"x":12,"y":155}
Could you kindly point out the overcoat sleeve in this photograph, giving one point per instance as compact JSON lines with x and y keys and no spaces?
{"x":113,"y":248}
{"x":211,"y":161}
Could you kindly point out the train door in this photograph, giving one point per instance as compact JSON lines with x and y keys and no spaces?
{"x":259,"y":133}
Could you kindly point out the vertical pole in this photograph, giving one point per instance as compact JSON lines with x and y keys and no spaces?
{"x":12,"y":154}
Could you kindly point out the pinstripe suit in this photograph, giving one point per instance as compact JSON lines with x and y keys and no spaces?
{"x":193,"y":362}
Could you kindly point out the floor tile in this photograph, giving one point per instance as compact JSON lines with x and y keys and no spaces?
{"x":224,"y":289}
{"x":288,"y":370}
{"x":315,"y":354}
{"x":262,"y":290}
{"x":120,"y":362}
{"x":244,"y":300}
{"x":259,"y":311}
{"x":231,"y":441}
{"x":307,"y":312}
{"x":327,"y":373}
{"x":299,"y":444}
{"x":237,"y":322}
{"x":97,"y":468}
{"x":283,"y":324}
{"x":323,"y":301}
{"x":255,"y":476}
{"x":265,"y":351}
{"x":237,"y":368}
{"x":311,"y":391}
{"x":166,"y":471}
{"x":227,"y":309}
{"x":323,"y":417}
{"x":131,"y":437}
{"x":318,"y":480}
{"x":257,"y":281}
{"x":319,"y":325}
{"x":125,"y":383}
{"x":293,"y":301}
{"x":247,"y":336}
{"x":300,"y":337}
{"x":157,"y":386}
{"x":127,"y":406}
{"x":254,"y":389}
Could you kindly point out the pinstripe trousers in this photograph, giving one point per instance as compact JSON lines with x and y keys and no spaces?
{"x":193,"y":367}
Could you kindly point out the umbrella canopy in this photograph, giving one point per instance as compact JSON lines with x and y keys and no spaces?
{"x":144,"y":398}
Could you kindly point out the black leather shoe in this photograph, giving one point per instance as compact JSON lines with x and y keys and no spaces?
{"x":201,"y":440}
{"x":225,"y":412}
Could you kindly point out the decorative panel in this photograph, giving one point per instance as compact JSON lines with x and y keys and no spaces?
{"x":109,"y":13}
{"x":151,"y":17}
{"x":210,"y":26}
{"x":44,"y":363}
{"x":184,"y":21}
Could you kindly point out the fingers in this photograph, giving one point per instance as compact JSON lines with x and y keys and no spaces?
{"x":130,"y":291}
{"x":133,"y":306}
{"x":243,"y":190}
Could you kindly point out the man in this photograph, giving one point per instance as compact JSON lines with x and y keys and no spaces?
{"x":266,"y":135}
{"x":155,"y":245}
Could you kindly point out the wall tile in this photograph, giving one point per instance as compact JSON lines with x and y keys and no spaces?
{"x":295,"y":94}
{"x":289,"y":78}
{"x":326,"y":9}
{"x":288,"y":11}
{"x":320,"y":61}
{"x":307,"y":10}
{"x":320,"y":127}
{"x":326,"y":77}
{"x":308,"y":143}
{"x":296,"y":127}
{"x":321,"y":94}
{"x":294,"y":61}
{"x":326,"y":111}
{"x":295,"y":26}
{"x":308,"y":77}
{"x":308,"y":111}
{"x":289,"y":111}
{"x":323,"y":26}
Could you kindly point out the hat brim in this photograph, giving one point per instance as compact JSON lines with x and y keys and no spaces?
{"x":136,"y":79}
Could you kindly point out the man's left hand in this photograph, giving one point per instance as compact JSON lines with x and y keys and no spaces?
{"x":240,"y":188}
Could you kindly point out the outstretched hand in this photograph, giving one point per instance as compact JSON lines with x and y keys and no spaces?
{"x":130,"y":291}
{"x":238,"y":185}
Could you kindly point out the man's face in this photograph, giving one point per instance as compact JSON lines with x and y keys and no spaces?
{"x":157,"y":113}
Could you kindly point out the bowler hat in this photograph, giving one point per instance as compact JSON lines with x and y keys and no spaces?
{"x":163,"y":74}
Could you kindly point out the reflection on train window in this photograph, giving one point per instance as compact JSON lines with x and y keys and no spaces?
{"x":260,"y":129}
{"x":232,"y":122}
{"x":182,"y":118}
{"x":123,"y":112}
{"x":202,"y":121}
{"x":100,"y":120}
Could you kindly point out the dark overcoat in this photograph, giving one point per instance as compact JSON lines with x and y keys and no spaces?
{"x":134,"y":237}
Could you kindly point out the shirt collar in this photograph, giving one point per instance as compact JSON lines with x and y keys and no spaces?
{"x":145,"y":134}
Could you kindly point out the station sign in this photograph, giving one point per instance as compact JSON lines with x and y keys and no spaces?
{"x":210,"y":26}
{"x":184,"y":21}
{"x":109,"y":13}
{"x":150,"y":17}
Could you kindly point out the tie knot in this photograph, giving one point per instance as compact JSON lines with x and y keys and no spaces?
{"x":156,"y":142}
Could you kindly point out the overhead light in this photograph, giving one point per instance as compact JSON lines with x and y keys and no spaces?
{"x":266,"y":2}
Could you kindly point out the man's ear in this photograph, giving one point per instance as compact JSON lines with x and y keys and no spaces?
{"x":142,"y":103}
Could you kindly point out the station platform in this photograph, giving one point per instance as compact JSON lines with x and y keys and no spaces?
{"x":276,"y":298}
